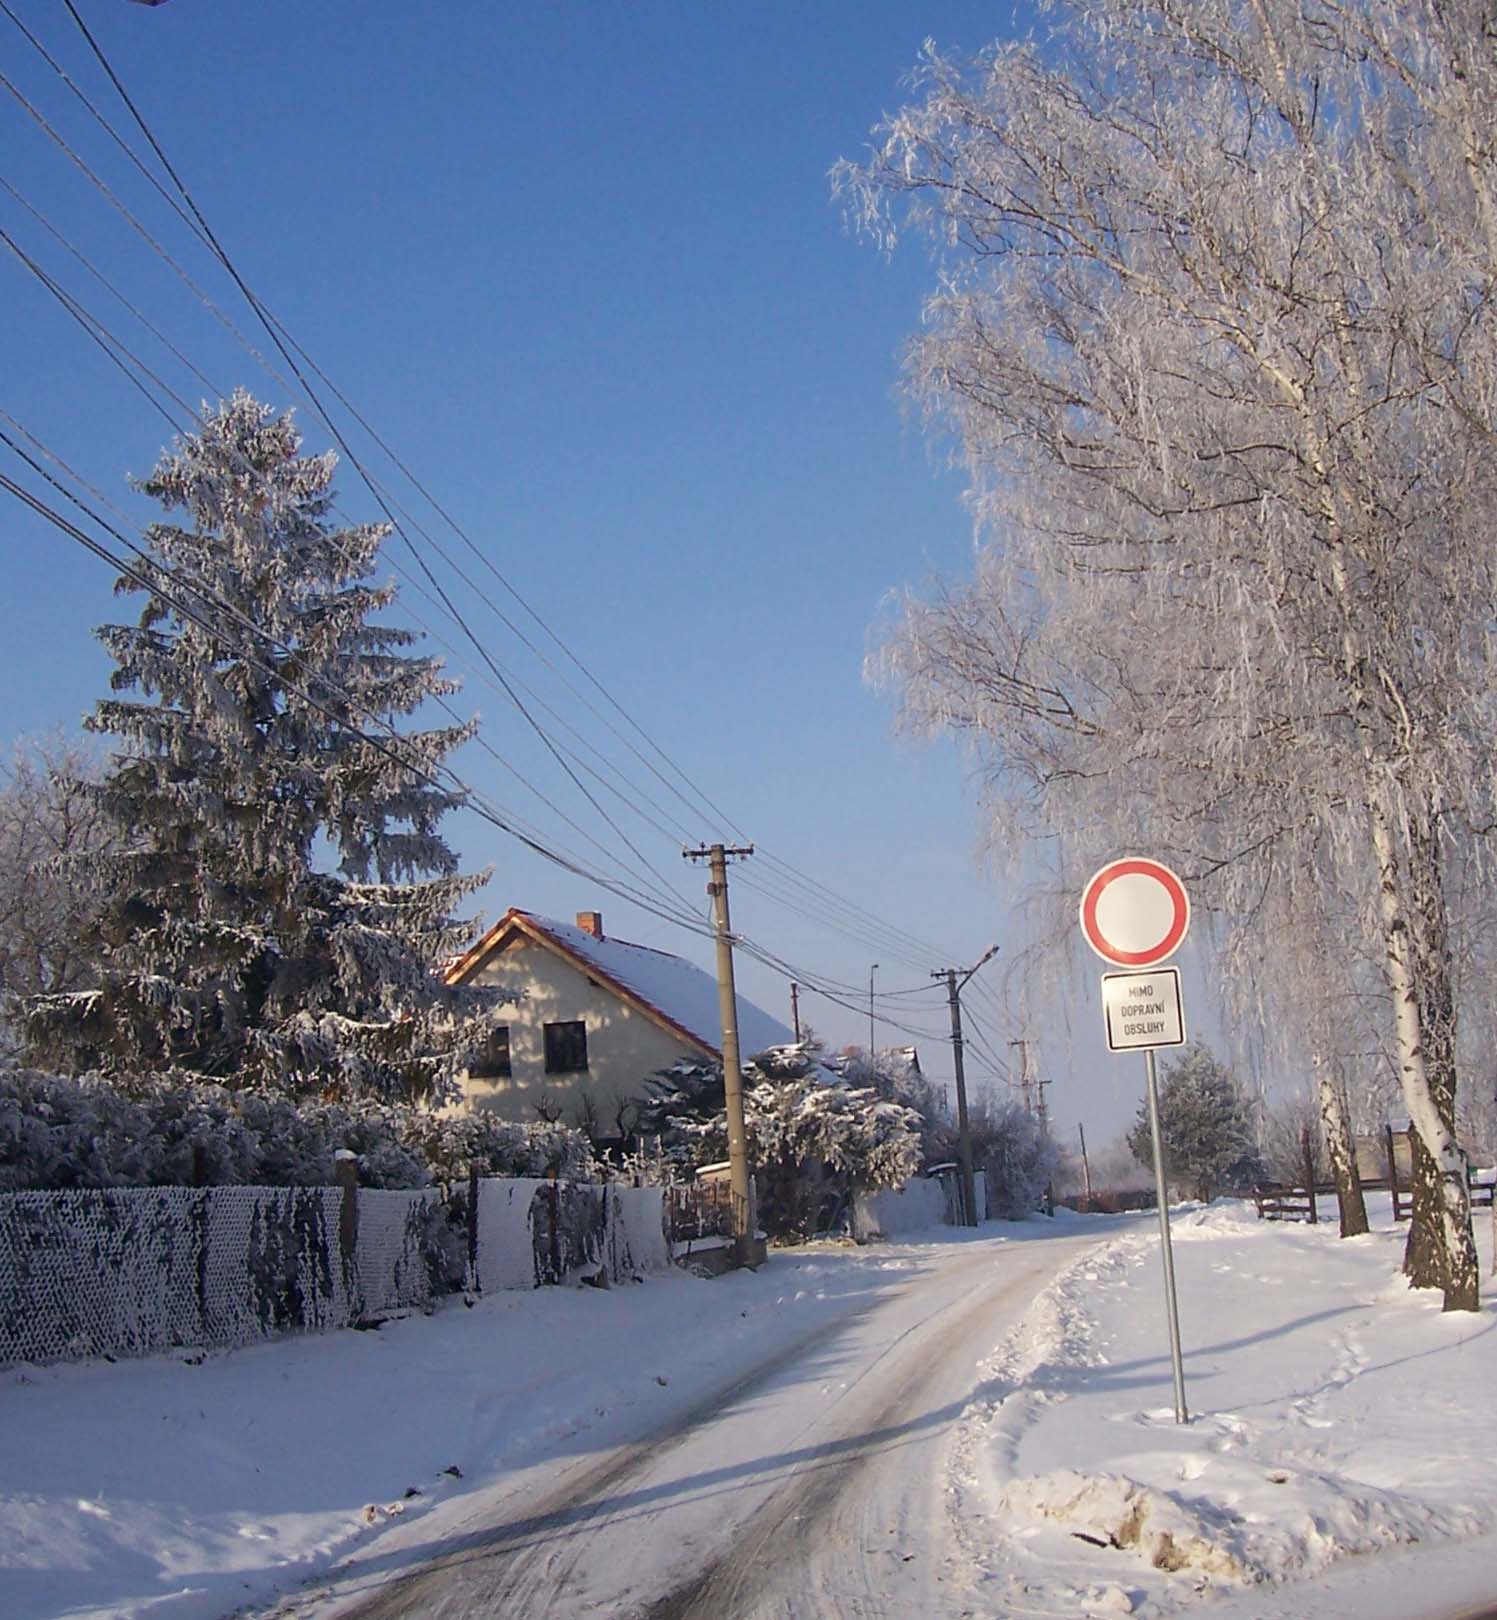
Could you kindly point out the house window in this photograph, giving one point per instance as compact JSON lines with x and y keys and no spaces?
{"x":492,"y":1062}
{"x":566,"y":1047}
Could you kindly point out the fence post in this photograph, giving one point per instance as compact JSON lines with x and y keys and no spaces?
{"x":1392,"y":1170}
{"x":475,"y":1283}
{"x":553,"y":1206}
{"x":346,"y":1176}
{"x":1309,"y":1156}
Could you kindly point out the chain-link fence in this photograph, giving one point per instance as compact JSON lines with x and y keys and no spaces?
{"x":130,"y":1270}
{"x":533,"y":1233}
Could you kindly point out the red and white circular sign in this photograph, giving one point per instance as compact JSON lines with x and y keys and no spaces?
{"x":1134,"y":912}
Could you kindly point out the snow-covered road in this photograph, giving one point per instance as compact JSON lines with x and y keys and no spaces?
{"x":814,"y":1485}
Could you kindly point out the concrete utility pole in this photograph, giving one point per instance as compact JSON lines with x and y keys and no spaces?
{"x":795,"y":1007}
{"x":746,"y":1248}
{"x":963,"y":1122}
{"x":1033,"y":1090}
{"x":1024,"y":1075}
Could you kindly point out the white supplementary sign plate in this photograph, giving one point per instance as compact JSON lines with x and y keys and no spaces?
{"x":1143,"y":1009}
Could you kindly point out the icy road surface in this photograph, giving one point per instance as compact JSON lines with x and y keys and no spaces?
{"x":814,"y":1484}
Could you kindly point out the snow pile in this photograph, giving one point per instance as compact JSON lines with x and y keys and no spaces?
{"x":1206,"y":1537}
{"x":1107,"y":1510}
{"x":1326,"y":1419}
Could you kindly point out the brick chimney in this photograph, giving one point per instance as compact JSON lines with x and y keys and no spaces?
{"x":591,"y":922}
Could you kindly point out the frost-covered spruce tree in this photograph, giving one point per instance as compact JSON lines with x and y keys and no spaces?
{"x":285,"y":897}
{"x":1206,"y":1124}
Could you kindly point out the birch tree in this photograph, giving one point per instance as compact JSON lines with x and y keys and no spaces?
{"x":1213,"y":336}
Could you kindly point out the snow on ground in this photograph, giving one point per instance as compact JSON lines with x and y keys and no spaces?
{"x":184,"y":1487}
{"x":1332,"y":1413}
{"x":1337,"y":1461}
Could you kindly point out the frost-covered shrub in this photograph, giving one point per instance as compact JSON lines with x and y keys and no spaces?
{"x":812,"y":1145}
{"x":299,"y":1142}
{"x":816,"y":1146}
{"x":895,"y":1076}
{"x":89,"y":1132}
{"x":66,"y":1133}
{"x":1019,"y":1160}
{"x":677,"y":1101}
{"x":450,"y":1143}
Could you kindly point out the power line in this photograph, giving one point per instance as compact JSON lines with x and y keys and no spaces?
{"x":277,"y":332}
{"x":108,"y":285}
{"x":110,"y":343}
{"x":849,"y":919}
{"x":271,"y":328}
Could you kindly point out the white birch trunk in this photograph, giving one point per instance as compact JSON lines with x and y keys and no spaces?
{"x":1461,"y":1286}
{"x":1335,"y":1119}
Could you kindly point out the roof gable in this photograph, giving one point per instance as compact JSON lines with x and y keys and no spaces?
{"x":668,"y":989}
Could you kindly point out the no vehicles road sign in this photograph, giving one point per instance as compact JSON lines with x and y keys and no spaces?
{"x":1143,"y":1009}
{"x":1134,"y":912}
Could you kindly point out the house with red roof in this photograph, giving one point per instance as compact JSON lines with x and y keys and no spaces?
{"x":586,"y":1020}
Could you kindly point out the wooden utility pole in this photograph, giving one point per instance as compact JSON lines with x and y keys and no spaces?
{"x":746,"y":1248}
{"x":963,"y":1122}
{"x":795,"y":1007}
{"x":1086,"y":1169}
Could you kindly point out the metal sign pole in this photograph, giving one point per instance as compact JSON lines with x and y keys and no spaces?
{"x":1181,"y":1415}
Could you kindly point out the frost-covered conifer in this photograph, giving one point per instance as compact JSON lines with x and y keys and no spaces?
{"x":811,"y":1145}
{"x":286,"y":896}
{"x":1206,"y":1123}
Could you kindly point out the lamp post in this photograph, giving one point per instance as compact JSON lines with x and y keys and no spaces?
{"x":871,"y":971}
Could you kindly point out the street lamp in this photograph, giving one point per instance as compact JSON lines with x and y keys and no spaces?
{"x":871,"y":971}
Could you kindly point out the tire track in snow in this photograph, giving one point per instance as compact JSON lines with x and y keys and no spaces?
{"x":812,"y":1550}
{"x":825,"y":1512}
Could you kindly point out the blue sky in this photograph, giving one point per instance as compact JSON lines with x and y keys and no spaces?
{"x":581,"y":266}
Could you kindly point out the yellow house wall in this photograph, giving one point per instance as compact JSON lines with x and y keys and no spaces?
{"x":624,"y":1046}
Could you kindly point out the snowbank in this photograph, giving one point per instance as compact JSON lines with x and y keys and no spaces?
{"x":1334,"y":1412}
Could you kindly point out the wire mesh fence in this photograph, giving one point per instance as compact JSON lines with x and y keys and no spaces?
{"x":132,"y":1270}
